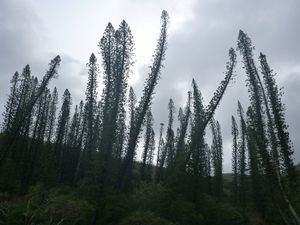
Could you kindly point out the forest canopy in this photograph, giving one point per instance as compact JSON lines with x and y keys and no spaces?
{"x":66,"y":164}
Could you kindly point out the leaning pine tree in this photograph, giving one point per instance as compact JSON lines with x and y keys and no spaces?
{"x":145,"y":102}
{"x":258,"y":100}
{"x":274,"y":99}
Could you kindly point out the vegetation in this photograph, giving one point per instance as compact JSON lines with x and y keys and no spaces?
{"x":79,"y":166}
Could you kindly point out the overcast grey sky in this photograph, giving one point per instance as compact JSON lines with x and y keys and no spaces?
{"x":201,"y":32}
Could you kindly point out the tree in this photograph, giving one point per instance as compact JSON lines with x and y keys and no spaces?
{"x":258,"y":99}
{"x":196,"y":145}
{"x":161,"y":155}
{"x":217,"y":96}
{"x":33,"y":151}
{"x":217,"y":157}
{"x":90,"y":115}
{"x":234,"y":132}
{"x":242,"y":159}
{"x":150,"y":155}
{"x":12,"y":103}
{"x":24,"y":112}
{"x":259,"y":195}
{"x":117,"y":52}
{"x":73,"y":145}
{"x":61,"y":133}
{"x":170,"y":139}
{"x":145,"y":102}
{"x":52,"y":115}
{"x":180,"y":142}
{"x":277,"y":107}
{"x":147,"y":144}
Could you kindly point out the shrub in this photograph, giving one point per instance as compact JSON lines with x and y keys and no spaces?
{"x":219,"y":215}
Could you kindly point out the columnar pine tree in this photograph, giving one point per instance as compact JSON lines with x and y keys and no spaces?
{"x":235,"y":158}
{"x":26,"y":105}
{"x":12,"y":103}
{"x":177,"y":178}
{"x":90,"y":116}
{"x":80,"y":131}
{"x":33,"y":150}
{"x":259,"y":196}
{"x":145,"y":102}
{"x":150,"y":156}
{"x":118,"y":148}
{"x":147,"y":144}
{"x":219,"y":93}
{"x":217,"y":158}
{"x":184,"y":118}
{"x":257,"y":99}
{"x":61,"y":133}
{"x":117,"y":52}
{"x":259,"y":138}
{"x":131,"y":105}
{"x":274,"y":99}
{"x":208,"y":168}
{"x":170,"y":139}
{"x":160,"y":154}
{"x":26,"y":90}
{"x":52,"y":115}
{"x":72,"y":140}
{"x":242,"y":159}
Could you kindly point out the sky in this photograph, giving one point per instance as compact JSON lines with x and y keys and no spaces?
{"x":200,"y":35}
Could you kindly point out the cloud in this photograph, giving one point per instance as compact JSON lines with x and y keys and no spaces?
{"x":20,"y":43}
{"x":23,"y":38}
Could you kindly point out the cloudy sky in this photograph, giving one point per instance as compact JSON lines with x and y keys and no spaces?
{"x":200,"y":34}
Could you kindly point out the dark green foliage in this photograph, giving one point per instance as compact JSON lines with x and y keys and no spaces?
{"x":222,"y":216}
{"x":42,"y":206}
{"x":163,"y":203}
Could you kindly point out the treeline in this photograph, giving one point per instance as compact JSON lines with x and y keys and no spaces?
{"x":93,"y":149}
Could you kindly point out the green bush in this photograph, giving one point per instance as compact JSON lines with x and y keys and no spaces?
{"x":116,"y":208}
{"x":46,"y":207}
{"x":152,"y":197}
{"x":184,"y":212}
{"x":162,"y":202}
{"x":15,"y":214}
{"x":219,"y":215}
